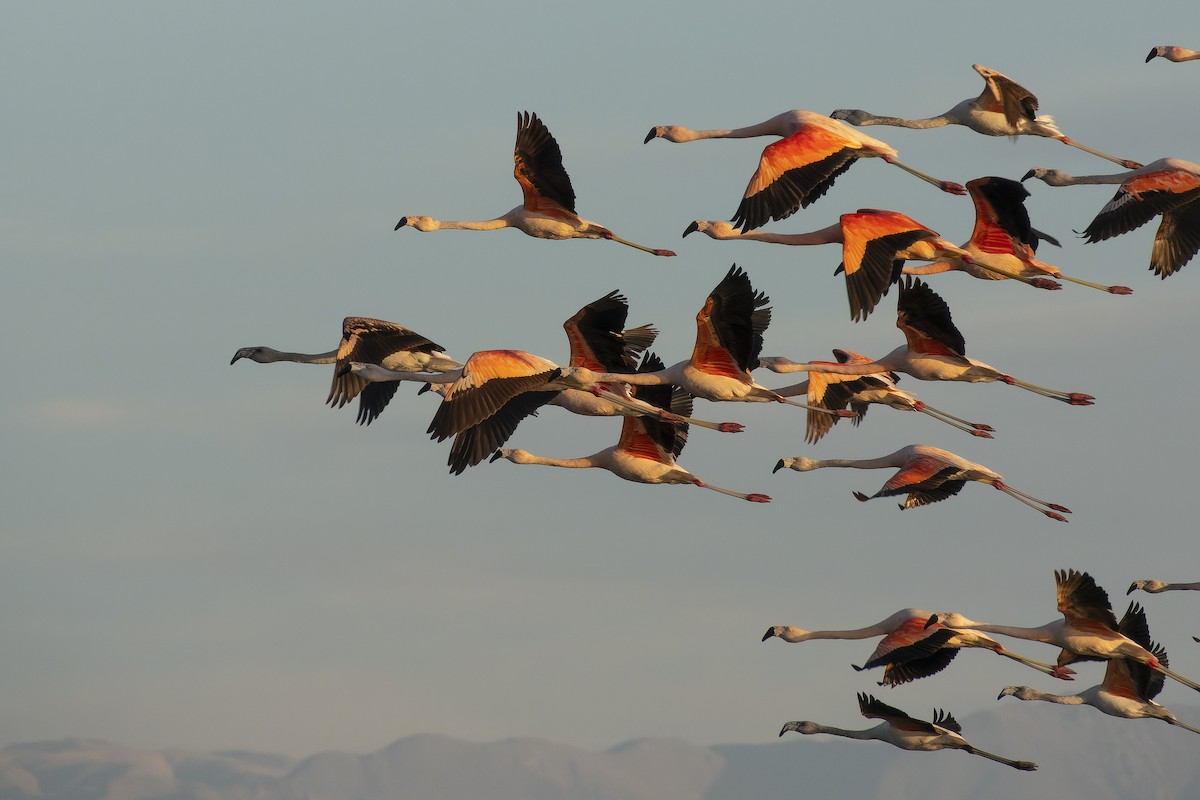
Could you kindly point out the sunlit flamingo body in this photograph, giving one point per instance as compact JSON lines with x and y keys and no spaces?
{"x":926,"y":475}
{"x":908,"y":649}
{"x":799,"y":169}
{"x":1088,"y":629}
{"x":935,"y":350}
{"x":367,"y":340}
{"x":1171,"y":53}
{"x":901,"y":730}
{"x":875,"y":243}
{"x":856,"y":392}
{"x":1003,"y":108}
{"x":1169,"y":187}
{"x":646,"y":451}
{"x":548,"y":210}
{"x":1003,"y":242}
{"x":1128,"y":689}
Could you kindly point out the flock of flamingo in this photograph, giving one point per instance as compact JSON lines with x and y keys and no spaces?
{"x":611,"y":370}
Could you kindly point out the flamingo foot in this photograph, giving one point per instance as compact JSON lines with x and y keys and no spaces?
{"x":1079,"y":399}
{"x":1058,"y":517}
{"x":952,"y":188}
{"x":979,"y":426}
{"x":755,"y":497}
{"x":1057,"y":507}
{"x":664,"y":252}
{"x":1132,"y":165}
{"x":843,"y":412}
{"x":862,"y":498}
{"x":1044,"y":283}
{"x":981,"y":434}
{"x":1063,"y":673}
{"x":1120,"y":290}
{"x":731,"y":427}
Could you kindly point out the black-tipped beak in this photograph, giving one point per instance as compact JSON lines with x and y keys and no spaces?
{"x":1028,"y":175}
{"x":1132,"y":586}
{"x":425,"y":387}
{"x":403,"y":221}
{"x":695,"y":226}
{"x":495,"y":456}
{"x":235,"y":358}
{"x":1150,"y":57}
{"x":770,"y":632}
{"x":778,"y":466}
{"x":652,"y":134}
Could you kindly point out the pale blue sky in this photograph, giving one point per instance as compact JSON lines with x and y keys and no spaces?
{"x":203,"y":556}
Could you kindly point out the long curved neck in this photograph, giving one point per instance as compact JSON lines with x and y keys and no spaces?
{"x":869,"y":733}
{"x":478,"y":225}
{"x":1062,"y":699}
{"x":900,"y":122}
{"x":268,"y":355}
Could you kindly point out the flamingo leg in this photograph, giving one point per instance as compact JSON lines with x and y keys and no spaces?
{"x":973,"y":428}
{"x":1071,"y":398}
{"x":1028,"y":766}
{"x":1184,"y":725}
{"x":1100,"y":286}
{"x":652,"y":411}
{"x":1124,"y":162}
{"x":651,"y":250}
{"x":1051,"y":509}
{"x":753,"y":497}
{"x":945,"y":186}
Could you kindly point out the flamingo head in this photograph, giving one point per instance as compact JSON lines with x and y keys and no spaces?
{"x":801,"y":726}
{"x":853,"y":116}
{"x":1019,"y":692}
{"x":948,"y":619}
{"x":672,"y":133}
{"x":260,"y":354}
{"x":423,"y":224}
{"x":1151,"y":586}
{"x":1052,"y":177}
{"x":798,"y":463}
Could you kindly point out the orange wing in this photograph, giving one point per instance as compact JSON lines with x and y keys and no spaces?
{"x":872,"y":243}
{"x":1083,"y":603}
{"x":636,"y":442}
{"x":794,"y":172}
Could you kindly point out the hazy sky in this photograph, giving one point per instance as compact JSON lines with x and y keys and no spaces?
{"x":201,"y":555}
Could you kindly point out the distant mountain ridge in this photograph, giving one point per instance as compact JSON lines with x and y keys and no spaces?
{"x":1081,"y":752}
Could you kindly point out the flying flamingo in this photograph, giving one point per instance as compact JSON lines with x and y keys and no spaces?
{"x":1168,"y":186}
{"x":874,"y":245}
{"x":829,"y":391}
{"x":908,"y":649}
{"x":1003,"y":108}
{"x":1128,"y":689}
{"x":795,"y":172}
{"x":901,"y":730}
{"x":926,"y":475}
{"x":1088,"y":629}
{"x":729,"y":336}
{"x":646,"y":451}
{"x":368,"y":340}
{"x":1154,"y":587}
{"x":548,"y":210}
{"x":1003,"y":242}
{"x":934,"y":351}
{"x":1173,"y":53}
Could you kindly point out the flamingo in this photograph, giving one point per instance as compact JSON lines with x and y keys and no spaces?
{"x":1003,"y":108}
{"x":905,"y":732}
{"x":1172,"y":53}
{"x":1154,"y":587}
{"x":934,"y":350}
{"x":826,"y":390}
{"x":1003,"y":242}
{"x":646,"y":451}
{"x":795,"y":172}
{"x":874,"y":243}
{"x":926,"y":475}
{"x":1088,"y":629}
{"x":909,"y":649}
{"x":1168,"y":186}
{"x":364,"y":339}
{"x":729,"y":335}
{"x":1128,"y":689}
{"x":548,"y":210}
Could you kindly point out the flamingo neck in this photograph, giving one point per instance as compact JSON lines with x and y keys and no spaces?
{"x":829,"y":235}
{"x":523,"y":457}
{"x":869,"y":733}
{"x":267,"y":355}
{"x":893,"y":460}
{"x":478,"y":225}
{"x":939,"y":121}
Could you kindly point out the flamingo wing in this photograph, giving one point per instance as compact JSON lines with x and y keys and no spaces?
{"x":925,"y":480}
{"x":915,"y":648}
{"x":1004,"y":95}
{"x":898,"y":674}
{"x":871,"y":242}
{"x":538,"y":167}
{"x":598,"y":339}
{"x":1131,"y":676}
{"x":793,"y":173}
{"x":490,"y":378}
{"x":830,"y":391}
{"x":371,"y":341}
{"x":729,"y":328}
{"x":1082,"y":602}
{"x":871,"y":708}
{"x":1140,"y":199}
{"x":668,"y":437}
{"x":925,"y":319}
{"x":943,"y":719}
{"x":475,"y":443}
{"x":1177,"y":239}
{"x":1000,"y":215}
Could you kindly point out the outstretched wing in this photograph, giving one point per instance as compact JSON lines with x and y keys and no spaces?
{"x":538,"y":167}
